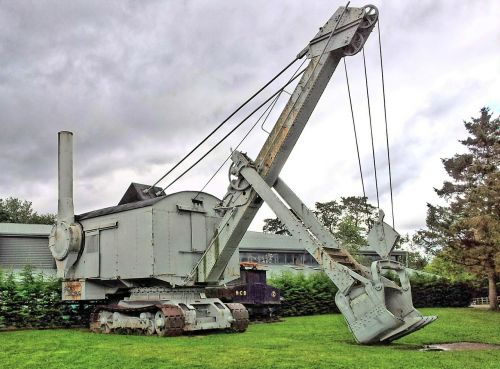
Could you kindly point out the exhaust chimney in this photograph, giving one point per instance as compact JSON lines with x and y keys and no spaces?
{"x":65,"y":240}
{"x":65,"y":207}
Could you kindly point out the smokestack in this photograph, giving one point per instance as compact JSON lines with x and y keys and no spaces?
{"x":65,"y":208}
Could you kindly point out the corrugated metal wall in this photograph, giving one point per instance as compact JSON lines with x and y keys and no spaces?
{"x":16,"y":252}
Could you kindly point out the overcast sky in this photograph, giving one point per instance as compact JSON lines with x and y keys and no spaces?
{"x":140,"y":82}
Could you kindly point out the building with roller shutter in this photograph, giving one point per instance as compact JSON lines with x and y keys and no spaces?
{"x":22,"y":244}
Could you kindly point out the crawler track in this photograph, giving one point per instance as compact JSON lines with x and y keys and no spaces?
{"x":164,"y":320}
{"x":171,"y":317}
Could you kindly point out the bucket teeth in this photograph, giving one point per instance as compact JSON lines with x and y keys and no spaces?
{"x":410,"y":326}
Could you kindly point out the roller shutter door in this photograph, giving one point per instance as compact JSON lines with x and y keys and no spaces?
{"x":16,"y":252}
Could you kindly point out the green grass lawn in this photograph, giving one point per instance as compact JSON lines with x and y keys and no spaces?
{"x":306,"y":342}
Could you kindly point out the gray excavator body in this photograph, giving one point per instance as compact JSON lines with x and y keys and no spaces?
{"x":139,"y":250}
{"x":150,"y":257}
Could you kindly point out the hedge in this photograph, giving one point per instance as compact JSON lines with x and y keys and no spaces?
{"x":305,"y":295}
{"x":439,"y":292}
{"x":33,"y":300}
{"x":315,"y":293}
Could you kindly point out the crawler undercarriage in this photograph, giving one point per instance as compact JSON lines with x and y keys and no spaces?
{"x":168,"y":312}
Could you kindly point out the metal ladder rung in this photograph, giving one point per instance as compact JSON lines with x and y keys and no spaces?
{"x":339,"y":256}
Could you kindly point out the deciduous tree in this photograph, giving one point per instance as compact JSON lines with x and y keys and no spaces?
{"x":14,"y":210}
{"x":348,"y":220}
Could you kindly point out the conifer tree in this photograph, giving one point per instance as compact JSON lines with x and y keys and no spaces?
{"x":467,"y":230}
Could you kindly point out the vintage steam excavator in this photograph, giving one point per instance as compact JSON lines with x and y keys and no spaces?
{"x":151,"y":257}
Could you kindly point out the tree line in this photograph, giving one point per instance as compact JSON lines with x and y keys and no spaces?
{"x":14,"y":210}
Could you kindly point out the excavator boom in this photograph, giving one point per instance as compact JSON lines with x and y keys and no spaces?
{"x":344,"y":32}
{"x":376,"y":309}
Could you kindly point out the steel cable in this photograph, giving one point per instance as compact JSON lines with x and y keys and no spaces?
{"x":232,"y":131}
{"x":371,"y":129}
{"x":385,"y":118}
{"x":354,"y":127}
{"x":222,"y":123}
{"x":269,"y":109}
{"x":265,"y":102}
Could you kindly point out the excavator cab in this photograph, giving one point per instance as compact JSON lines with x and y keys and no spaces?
{"x":378,"y":309}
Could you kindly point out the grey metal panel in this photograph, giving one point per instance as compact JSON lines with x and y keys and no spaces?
{"x":108,"y":254}
{"x":181,"y":229}
{"x":179,"y":244}
{"x":232,"y":270}
{"x":211,"y":224}
{"x":198,"y":232}
{"x":135,"y":244}
{"x":92,"y":254}
{"x":161,"y":242}
{"x":16,"y":252}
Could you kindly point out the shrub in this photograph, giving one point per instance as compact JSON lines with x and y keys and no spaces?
{"x":9,"y":299}
{"x":34,"y":300}
{"x":440,"y":292}
{"x":305,"y":295}
{"x":315,"y":293}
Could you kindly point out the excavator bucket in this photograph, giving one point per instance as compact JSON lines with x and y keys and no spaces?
{"x":377,"y":309}
{"x":380,"y":310}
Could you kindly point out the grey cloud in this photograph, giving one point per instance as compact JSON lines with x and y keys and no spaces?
{"x":142,"y":82}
